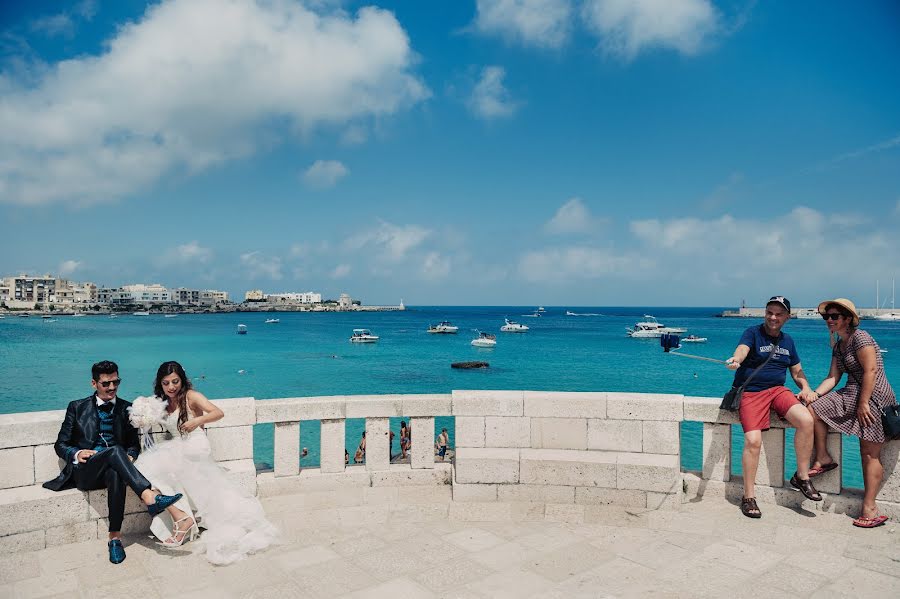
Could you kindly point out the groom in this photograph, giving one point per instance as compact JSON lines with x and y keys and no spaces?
{"x":99,"y":445}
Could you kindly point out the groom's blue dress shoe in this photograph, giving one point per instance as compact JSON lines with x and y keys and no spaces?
{"x":116,"y":551}
{"x":161,"y":503}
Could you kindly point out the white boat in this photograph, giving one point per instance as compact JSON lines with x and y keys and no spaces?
{"x":113,"y":315}
{"x":513,"y":327}
{"x":242,"y":329}
{"x":694,"y":339}
{"x":46,"y":316}
{"x":806,"y":313}
{"x":541,"y":309}
{"x":363,"y":336}
{"x":444,"y":327}
{"x":893,"y":315}
{"x":169,"y":315}
{"x":49,"y":319}
{"x":273,"y":320}
{"x":651,"y":328}
{"x":485,"y":340}
{"x":141,"y":313}
{"x":78,"y":315}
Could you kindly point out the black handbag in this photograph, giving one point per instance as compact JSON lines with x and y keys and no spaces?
{"x":731,"y":401}
{"x":890,"y":419}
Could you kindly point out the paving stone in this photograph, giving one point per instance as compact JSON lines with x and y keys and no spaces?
{"x":18,"y":567}
{"x":567,"y":561}
{"x":474,"y":539}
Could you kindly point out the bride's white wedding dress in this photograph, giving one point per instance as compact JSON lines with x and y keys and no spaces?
{"x":234,"y":521}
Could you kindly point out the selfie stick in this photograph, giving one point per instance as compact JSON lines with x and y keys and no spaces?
{"x":668,"y":341}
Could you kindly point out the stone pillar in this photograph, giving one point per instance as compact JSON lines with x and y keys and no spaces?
{"x":830,"y":482}
{"x":377,"y":441}
{"x":716,"y":451}
{"x":421,"y":454}
{"x":771,"y":459}
{"x":287,"y":448}
{"x":332,"y":446}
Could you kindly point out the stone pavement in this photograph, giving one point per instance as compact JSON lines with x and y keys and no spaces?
{"x":416,"y":542}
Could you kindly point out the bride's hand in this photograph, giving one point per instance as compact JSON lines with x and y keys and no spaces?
{"x":190,"y":425}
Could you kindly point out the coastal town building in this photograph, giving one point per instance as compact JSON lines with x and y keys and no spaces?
{"x":145,"y":294}
{"x":295,"y":298}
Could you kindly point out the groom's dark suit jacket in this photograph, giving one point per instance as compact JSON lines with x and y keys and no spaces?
{"x":81,"y":430}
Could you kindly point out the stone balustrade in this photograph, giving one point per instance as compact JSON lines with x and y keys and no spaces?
{"x":511,"y":448}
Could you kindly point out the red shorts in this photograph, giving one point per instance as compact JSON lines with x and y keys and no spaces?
{"x":755,"y":406}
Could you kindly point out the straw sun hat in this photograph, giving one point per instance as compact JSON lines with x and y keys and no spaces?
{"x":846,"y":305}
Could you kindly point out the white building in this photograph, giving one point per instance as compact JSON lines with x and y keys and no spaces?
{"x":345,"y":301}
{"x":144,"y":294}
{"x":295,"y":298}
{"x":256,"y":295}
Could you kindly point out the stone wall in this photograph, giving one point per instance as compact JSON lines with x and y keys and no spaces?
{"x":520,"y":448}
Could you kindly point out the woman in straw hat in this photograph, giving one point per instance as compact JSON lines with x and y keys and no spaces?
{"x":856,"y":408}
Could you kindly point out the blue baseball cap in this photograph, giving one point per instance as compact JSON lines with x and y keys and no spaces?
{"x":780,"y":300}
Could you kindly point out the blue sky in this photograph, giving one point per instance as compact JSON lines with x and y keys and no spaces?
{"x":556,"y":152}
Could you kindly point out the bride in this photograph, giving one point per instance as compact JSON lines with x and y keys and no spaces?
{"x":234,"y":521}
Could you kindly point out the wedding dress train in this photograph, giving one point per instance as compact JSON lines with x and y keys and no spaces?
{"x":234,"y":521}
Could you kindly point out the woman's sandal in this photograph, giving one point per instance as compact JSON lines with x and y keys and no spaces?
{"x":179,"y":536}
{"x":864,"y":522}
{"x":749,"y":508}
{"x":814,"y":472}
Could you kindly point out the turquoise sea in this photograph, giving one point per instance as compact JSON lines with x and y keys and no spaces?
{"x":44,"y":365}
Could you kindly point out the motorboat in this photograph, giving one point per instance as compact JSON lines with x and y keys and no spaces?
{"x":513,"y":327}
{"x":113,"y":315}
{"x":141,"y":313}
{"x":485,"y":340}
{"x":694,"y":339}
{"x":46,"y":316}
{"x":444,"y":327}
{"x":651,"y":328}
{"x":273,"y":320}
{"x":541,"y":310}
{"x":78,"y":315}
{"x":363,"y":336}
{"x":806,"y":314}
{"x":242,"y":329}
{"x":169,"y":315}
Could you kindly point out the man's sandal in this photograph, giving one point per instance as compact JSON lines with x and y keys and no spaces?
{"x":806,"y":487}
{"x":749,"y":508}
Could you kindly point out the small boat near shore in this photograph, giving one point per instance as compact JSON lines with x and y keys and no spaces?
{"x":445,"y":327}
{"x":513,"y":327}
{"x":141,"y":313}
{"x":169,"y":315}
{"x":694,"y":339}
{"x":273,"y":320}
{"x":242,"y":329}
{"x":485,"y":340}
{"x":363,"y":336}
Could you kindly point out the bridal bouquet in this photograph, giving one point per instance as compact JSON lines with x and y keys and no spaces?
{"x":144,"y":413}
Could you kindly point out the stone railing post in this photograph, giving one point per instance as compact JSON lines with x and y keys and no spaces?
{"x":377,"y":444}
{"x":333,"y":445}
{"x":421,"y":454}
{"x":716,"y":451}
{"x":287,"y":448}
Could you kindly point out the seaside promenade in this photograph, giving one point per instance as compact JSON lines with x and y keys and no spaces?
{"x":549,"y":494}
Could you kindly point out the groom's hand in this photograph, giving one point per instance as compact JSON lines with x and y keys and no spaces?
{"x":84,"y":454}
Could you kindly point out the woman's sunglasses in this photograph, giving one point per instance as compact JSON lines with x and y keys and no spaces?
{"x":831,"y":316}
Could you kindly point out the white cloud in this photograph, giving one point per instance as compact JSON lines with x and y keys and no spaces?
{"x":542,"y":23}
{"x":258,"y":265}
{"x":354,"y":135}
{"x":572,"y":217}
{"x":58,"y":25}
{"x":490,"y":98}
{"x":435,"y":267}
{"x":340,"y":271}
{"x":190,"y":252}
{"x":192,"y":84}
{"x":68,"y":267}
{"x":392,"y":242}
{"x":800,"y":250}
{"x":325,"y":173}
{"x":578,"y":263}
{"x":628,"y":27}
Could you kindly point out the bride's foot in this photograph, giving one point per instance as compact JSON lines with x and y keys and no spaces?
{"x":185,"y":529}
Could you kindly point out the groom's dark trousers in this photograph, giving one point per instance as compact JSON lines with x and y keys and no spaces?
{"x":110,"y":468}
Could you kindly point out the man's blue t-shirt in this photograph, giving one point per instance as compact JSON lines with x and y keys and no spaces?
{"x":761,"y":344}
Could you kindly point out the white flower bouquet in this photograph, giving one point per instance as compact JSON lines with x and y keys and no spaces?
{"x":144,"y":414}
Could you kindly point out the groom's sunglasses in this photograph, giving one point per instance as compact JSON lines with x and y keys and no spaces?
{"x":106,"y":384}
{"x":831,"y":316}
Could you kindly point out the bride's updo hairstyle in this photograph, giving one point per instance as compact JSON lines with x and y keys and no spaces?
{"x":165,"y":369}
